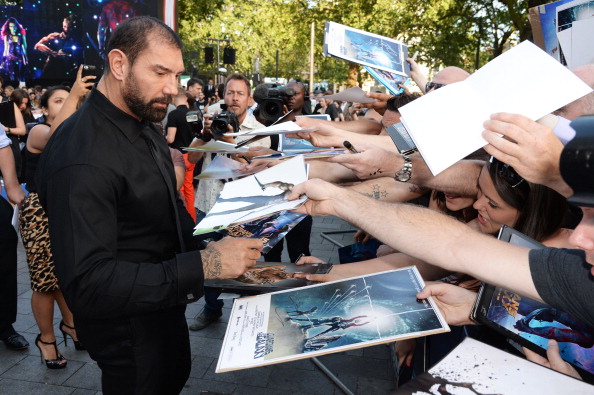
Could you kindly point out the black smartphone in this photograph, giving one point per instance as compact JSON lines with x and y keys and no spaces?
{"x":88,"y":69}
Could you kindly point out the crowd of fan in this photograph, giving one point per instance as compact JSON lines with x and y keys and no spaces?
{"x":514,"y":182}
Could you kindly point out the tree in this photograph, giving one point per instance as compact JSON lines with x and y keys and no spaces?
{"x":464,"y":33}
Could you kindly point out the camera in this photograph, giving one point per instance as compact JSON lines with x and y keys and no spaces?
{"x":194,"y":119}
{"x":271,"y":98}
{"x":221,"y":121}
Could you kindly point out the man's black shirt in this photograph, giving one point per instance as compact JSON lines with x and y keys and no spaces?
{"x":112,"y":225}
{"x":183,"y":134}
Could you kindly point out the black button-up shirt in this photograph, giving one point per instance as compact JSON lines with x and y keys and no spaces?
{"x":112,"y":225}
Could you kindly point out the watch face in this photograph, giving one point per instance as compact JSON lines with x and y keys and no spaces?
{"x":404,"y":175}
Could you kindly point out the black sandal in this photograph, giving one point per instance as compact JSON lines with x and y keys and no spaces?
{"x":58,"y":363}
{"x":77,"y":344}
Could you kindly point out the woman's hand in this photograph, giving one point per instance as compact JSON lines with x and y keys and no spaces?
{"x":82,"y":85}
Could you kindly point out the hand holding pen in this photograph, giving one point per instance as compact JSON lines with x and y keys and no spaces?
{"x":350,"y":147}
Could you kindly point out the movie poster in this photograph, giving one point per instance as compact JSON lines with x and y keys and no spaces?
{"x":270,"y":229}
{"x":327,"y":317}
{"x":538,"y":322}
{"x":365,"y":48}
{"x":269,"y":277}
{"x":476,"y":368}
{"x":255,"y":196}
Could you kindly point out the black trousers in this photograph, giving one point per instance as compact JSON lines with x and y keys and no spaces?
{"x":145,"y":354}
{"x":8,"y":269}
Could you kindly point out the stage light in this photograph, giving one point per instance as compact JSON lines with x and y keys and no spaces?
{"x":73,"y":48}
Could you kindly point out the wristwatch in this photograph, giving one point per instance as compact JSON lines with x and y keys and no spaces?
{"x":406,"y":173}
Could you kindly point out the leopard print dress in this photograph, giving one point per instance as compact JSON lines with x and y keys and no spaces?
{"x":35,"y":235}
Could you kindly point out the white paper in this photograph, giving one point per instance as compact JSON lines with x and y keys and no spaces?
{"x":281,"y":128}
{"x":356,"y":95}
{"x":446,"y":124}
{"x":218,"y":146}
{"x":222,"y":167}
{"x":240,"y":201}
{"x":489,"y":370}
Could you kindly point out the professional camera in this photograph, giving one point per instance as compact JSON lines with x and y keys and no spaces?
{"x":220,"y":122}
{"x":194,"y":119}
{"x":271,"y":98}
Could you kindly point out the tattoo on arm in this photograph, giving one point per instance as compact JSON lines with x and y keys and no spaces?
{"x":417,"y":189}
{"x":376,"y":192}
{"x":211,"y":262}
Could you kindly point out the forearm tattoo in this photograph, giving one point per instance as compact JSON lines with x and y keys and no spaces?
{"x":211,"y":262}
{"x":417,"y":189}
{"x":376,"y":192}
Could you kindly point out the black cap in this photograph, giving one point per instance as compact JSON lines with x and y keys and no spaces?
{"x":577,"y":162}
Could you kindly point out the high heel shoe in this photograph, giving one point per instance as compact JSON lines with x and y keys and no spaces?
{"x":77,"y":344}
{"x":58,"y":363}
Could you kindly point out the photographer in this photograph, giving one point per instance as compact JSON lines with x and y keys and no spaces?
{"x":237,"y":95}
{"x":179,"y":134}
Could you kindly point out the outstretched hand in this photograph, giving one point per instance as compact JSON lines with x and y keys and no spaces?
{"x":325,"y":135}
{"x":320,"y":194}
{"x":454,"y":302}
{"x":530,"y":148}
{"x":380,"y":105}
{"x":339,"y":272}
{"x":553,"y":360}
{"x":371,"y":162}
{"x":230,"y":257}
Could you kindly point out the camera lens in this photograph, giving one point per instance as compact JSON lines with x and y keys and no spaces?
{"x":272,"y":108}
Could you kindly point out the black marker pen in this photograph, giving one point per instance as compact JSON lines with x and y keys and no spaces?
{"x":350,"y":147}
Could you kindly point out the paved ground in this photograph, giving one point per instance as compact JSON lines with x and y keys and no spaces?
{"x":364,"y":371}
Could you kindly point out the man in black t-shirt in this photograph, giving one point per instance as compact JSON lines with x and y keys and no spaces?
{"x":179,"y":135}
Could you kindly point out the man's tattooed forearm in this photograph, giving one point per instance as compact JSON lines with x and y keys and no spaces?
{"x":211,"y":262}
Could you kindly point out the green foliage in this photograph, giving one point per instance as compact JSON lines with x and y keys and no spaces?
{"x":465,"y":33}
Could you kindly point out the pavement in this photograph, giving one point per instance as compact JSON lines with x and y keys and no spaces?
{"x":365,"y":371}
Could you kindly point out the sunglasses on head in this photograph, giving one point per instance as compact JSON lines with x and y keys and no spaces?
{"x":432,"y":85}
{"x":506,"y":172}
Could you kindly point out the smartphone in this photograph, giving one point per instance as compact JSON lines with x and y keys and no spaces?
{"x":88,"y":69}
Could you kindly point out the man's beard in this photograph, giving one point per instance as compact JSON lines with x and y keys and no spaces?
{"x":143,"y":110}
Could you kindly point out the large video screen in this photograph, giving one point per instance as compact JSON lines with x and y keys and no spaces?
{"x":44,"y":41}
